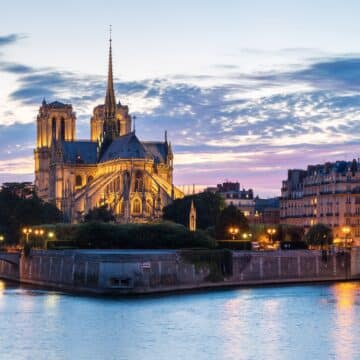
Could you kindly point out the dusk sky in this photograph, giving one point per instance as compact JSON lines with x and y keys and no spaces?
{"x":246,"y":89}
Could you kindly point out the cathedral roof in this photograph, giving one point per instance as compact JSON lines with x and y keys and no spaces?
{"x":79,"y":152}
{"x":58,"y":105}
{"x":158,"y":150}
{"x":125,"y":147}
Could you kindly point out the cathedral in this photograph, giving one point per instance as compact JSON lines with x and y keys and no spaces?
{"x":114,"y":168}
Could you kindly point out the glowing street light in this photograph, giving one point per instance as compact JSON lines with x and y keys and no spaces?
{"x":246,"y":236}
{"x":2,"y":238}
{"x":271,"y":232}
{"x":233,"y":231}
{"x":27,"y":232}
{"x":51,"y":234}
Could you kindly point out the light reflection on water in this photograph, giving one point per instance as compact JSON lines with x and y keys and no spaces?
{"x":282,"y":322}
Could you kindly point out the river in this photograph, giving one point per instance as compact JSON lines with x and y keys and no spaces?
{"x":281,"y":322}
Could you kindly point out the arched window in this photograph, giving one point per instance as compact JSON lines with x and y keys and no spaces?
{"x":78,"y":180}
{"x":138,"y":182}
{"x":136,"y":206}
{"x":53,"y":128}
{"x":62,"y":129}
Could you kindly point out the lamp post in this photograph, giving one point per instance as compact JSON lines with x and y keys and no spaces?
{"x":233,"y":231}
{"x":346,"y":230}
{"x":2,"y":238}
{"x":27,"y":232}
{"x":247,"y":236}
{"x":271,"y":232}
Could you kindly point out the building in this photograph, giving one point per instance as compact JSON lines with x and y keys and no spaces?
{"x":24,"y":190}
{"x":114,"y":168}
{"x":327,"y":194}
{"x":234,"y":195}
{"x":267,"y":211}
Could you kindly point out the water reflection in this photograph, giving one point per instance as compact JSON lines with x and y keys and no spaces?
{"x":344,"y":337}
{"x":290,"y":322}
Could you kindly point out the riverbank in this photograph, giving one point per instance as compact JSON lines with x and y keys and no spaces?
{"x":155,"y":271}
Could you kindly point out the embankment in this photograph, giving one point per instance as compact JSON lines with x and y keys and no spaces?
{"x":151,"y":271}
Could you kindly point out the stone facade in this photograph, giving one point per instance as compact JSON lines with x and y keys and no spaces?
{"x":327,"y":194}
{"x":113,"y":168}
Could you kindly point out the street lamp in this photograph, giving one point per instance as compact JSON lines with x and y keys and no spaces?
{"x":346,"y":230}
{"x":246,"y":235}
{"x":27,"y":232}
{"x":51,"y":234}
{"x":233,"y":231}
{"x":271,"y":232}
{"x":2,"y":238}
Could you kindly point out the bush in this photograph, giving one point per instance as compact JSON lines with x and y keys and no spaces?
{"x":129,"y":236}
{"x":319,"y":235}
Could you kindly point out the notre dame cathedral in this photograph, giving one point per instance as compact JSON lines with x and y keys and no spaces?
{"x":114,"y":168}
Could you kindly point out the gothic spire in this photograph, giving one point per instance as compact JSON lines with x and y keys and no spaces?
{"x":110,"y":103}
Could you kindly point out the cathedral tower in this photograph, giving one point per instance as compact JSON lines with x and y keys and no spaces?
{"x":55,"y":122}
{"x":110,"y":120}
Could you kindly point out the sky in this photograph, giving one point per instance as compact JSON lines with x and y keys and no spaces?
{"x":246,"y":89}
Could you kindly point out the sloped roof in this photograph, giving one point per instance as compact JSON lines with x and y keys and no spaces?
{"x":125,"y":147}
{"x":158,"y":150}
{"x":79,"y":152}
{"x":58,"y":105}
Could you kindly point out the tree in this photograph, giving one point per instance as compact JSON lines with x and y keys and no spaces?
{"x":319,"y":235}
{"x":288,"y":233}
{"x":100,"y":214}
{"x":229,"y":217}
{"x":208,"y":207}
{"x":17,"y":212}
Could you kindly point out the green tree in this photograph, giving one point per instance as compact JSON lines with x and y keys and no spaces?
{"x":208,"y":207}
{"x":229,"y":217}
{"x":17,"y":212}
{"x":100,"y":214}
{"x":319,"y":235}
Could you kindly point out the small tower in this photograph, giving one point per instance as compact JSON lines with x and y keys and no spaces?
{"x":192,"y":217}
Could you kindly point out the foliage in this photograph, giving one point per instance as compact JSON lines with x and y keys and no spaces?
{"x":100,"y":214}
{"x":230,"y":216}
{"x":208,"y":206}
{"x":319,"y":235}
{"x":290,"y":233}
{"x":17,"y":212}
{"x":128,"y":236}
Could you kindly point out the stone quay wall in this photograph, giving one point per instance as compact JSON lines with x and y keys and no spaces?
{"x":151,"y":271}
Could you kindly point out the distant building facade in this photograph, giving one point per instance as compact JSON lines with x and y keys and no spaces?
{"x":24,"y":190}
{"x":234,"y":195}
{"x":327,"y":194}
{"x":267,"y":211}
{"x":114,"y":168}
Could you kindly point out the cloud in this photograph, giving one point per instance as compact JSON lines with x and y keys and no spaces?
{"x":10,"y":39}
{"x":249,"y":127}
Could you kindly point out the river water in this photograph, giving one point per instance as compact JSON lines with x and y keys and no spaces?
{"x":281,"y":322}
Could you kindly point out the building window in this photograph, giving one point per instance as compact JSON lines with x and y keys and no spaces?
{"x":78,"y":181}
{"x":62,"y":129}
{"x":90,"y":179}
{"x":139,"y":182}
{"x":53,"y":128}
{"x":136,"y":206}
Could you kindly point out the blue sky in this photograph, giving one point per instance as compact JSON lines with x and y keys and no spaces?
{"x":246,"y":89}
